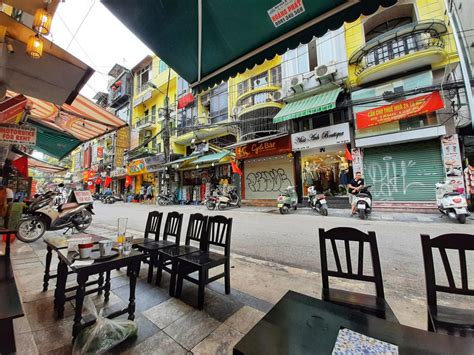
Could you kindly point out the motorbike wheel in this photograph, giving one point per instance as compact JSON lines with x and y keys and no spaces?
{"x":161,"y":202}
{"x":30,"y":230}
{"x":284,"y":210}
{"x":210,"y":205}
{"x":362,"y":214}
{"x":461,"y":218}
{"x":84,"y":221}
{"x":324,"y":211}
{"x":220,"y":206}
{"x":295,"y":207}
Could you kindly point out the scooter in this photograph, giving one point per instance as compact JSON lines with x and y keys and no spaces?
{"x":166,"y":199}
{"x":452,"y":204}
{"x":317,"y":201}
{"x":364,"y":202}
{"x":231,"y":199}
{"x":111,"y":199}
{"x":287,"y":199}
{"x":49,"y":217}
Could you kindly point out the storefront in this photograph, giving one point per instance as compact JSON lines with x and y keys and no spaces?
{"x":136,"y":169}
{"x":323,"y":162}
{"x":268,"y":168}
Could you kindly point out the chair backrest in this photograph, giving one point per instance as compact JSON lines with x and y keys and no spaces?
{"x":351,"y":235}
{"x":459,"y":242}
{"x":219,"y":231}
{"x":196,"y":229}
{"x":173,"y":224}
{"x":153,"y":224}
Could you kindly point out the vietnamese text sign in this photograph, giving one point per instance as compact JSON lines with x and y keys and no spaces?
{"x":17,"y":135}
{"x":83,"y":197}
{"x":136,"y":167}
{"x":277,"y":146}
{"x":321,"y":137}
{"x":401,"y":110}
{"x":285,"y":10}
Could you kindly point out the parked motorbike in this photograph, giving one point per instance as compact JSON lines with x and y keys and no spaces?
{"x":49,"y":217}
{"x":364,"y":202}
{"x":288,"y":199}
{"x":211,"y":202}
{"x":111,"y":199}
{"x":452,"y":204}
{"x":227,"y":200}
{"x":166,"y":199}
{"x":317,"y":201}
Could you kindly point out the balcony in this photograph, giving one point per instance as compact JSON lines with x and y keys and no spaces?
{"x":406,"y":48}
{"x":121,"y":94}
{"x":145,"y":122}
{"x":255,"y":100}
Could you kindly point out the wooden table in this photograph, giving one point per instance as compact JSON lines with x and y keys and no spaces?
{"x":299,"y":324}
{"x":131,"y":262}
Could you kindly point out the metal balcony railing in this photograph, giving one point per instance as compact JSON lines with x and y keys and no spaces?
{"x":145,"y":121}
{"x":397,"y":48}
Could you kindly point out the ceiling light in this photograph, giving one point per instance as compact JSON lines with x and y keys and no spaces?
{"x":42,"y":21}
{"x":34,"y":47}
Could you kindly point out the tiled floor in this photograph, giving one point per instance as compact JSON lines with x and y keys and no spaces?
{"x":166,"y":325}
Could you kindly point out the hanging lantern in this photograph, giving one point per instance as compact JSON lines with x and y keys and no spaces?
{"x":34,"y":47}
{"x":42,"y":22}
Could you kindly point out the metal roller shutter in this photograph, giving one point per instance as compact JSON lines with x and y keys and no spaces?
{"x":404,"y":172}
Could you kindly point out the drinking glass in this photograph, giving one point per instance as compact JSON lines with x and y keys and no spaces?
{"x":122,"y":230}
{"x":127,"y":245}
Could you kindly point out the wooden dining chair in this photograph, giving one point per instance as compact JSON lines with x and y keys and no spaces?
{"x":174,"y":221}
{"x":444,"y":319}
{"x":152,"y":228}
{"x":218,"y":234}
{"x":168,"y":257}
{"x":369,"y":304}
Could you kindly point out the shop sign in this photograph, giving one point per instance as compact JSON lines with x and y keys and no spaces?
{"x":452,"y":162}
{"x":357,"y":160}
{"x":150,"y":178}
{"x":119,"y":154}
{"x":83,"y":197}
{"x":136,"y":167}
{"x":18,"y":135}
{"x":285,"y":11}
{"x":321,"y":137}
{"x":118,"y":172}
{"x":277,"y":146}
{"x":400,"y":110}
{"x":122,"y":138}
{"x":153,"y":164}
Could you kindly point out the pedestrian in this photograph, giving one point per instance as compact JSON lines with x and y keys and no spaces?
{"x":149,"y":192}
{"x":355,"y":186}
{"x":141,"y":197}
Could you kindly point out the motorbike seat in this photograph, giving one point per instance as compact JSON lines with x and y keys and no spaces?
{"x":67,"y":206}
{"x":452,"y":194}
{"x":363,"y":195}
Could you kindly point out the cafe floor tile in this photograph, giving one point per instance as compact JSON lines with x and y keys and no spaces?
{"x":244,"y":319}
{"x":192,"y":328}
{"x":167,"y":312}
{"x":34,"y":265}
{"x":21,"y":325}
{"x":41,"y":315}
{"x":146,"y":329}
{"x":150,"y":298}
{"x":158,"y":344}
{"x":54,"y":336}
{"x":63,"y":350}
{"x":25,"y":344}
{"x":242,"y":297}
{"x":221,"y":341}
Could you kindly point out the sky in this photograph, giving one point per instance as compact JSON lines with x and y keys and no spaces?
{"x":100,"y":41}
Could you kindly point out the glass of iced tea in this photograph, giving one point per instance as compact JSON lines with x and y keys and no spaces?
{"x":121,"y":230}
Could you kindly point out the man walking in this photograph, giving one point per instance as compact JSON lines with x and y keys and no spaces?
{"x":355,"y":185}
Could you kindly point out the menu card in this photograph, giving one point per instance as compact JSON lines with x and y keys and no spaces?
{"x":350,"y":342}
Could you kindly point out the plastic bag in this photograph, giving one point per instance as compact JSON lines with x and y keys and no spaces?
{"x":104,"y":334}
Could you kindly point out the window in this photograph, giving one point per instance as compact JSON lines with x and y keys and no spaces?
{"x":219,"y":103}
{"x":153,"y":112}
{"x":259,"y":80}
{"x":296,"y":61}
{"x":162,"y":67}
{"x":242,"y":87}
{"x":143,"y":77}
{"x":275,"y":76}
{"x":183,"y":86}
{"x":187,"y":116}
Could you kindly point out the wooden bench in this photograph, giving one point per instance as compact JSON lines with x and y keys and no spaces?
{"x":10,"y":302}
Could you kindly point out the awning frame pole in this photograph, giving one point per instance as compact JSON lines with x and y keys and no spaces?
{"x":199,"y":38}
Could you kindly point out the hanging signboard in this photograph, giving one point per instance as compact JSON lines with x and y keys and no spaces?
{"x":285,"y":10}
{"x":452,"y":162}
{"x":123,"y":138}
{"x":18,"y":135}
{"x":12,"y":108}
{"x":400,"y":110}
{"x":83,"y":197}
{"x":277,"y":146}
{"x":321,"y":137}
{"x":136,"y":167}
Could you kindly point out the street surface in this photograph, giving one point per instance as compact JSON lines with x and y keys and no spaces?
{"x":292,"y":239}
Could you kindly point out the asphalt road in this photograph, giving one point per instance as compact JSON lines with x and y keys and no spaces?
{"x":293,"y":239}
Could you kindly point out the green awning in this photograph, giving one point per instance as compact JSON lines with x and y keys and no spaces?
{"x":314,"y":104}
{"x":211,"y":158}
{"x":208,"y":44}
{"x":52,"y":142}
{"x":183,"y":160}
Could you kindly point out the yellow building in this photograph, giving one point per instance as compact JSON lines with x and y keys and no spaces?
{"x":399,"y":60}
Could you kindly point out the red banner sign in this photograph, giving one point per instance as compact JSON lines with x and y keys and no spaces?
{"x":399,"y":111}
{"x":264,"y":149}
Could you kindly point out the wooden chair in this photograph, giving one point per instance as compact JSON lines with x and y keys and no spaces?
{"x":153,"y":227}
{"x":443,"y":319}
{"x":168,"y":258}
{"x":173,"y":224}
{"x":369,"y":304}
{"x":218,"y":233}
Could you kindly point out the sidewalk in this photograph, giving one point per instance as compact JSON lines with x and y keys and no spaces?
{"x":171,"y":326}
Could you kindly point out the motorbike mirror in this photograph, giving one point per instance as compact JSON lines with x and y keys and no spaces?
{"x":61,"y":185}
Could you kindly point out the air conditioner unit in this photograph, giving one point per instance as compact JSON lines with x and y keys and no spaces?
{"x":322,"y":71}
{"x":296,"y":83}
{"x":278,"y":95}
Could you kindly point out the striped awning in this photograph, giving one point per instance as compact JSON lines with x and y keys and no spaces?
{"x":212,"y":158}
{"x":311,"y":105}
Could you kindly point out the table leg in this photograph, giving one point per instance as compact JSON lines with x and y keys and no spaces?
{"x":107,"y":286}
{"x":134,"y":271}
{"x":60,"y":293}
{"x":49,"y":255}
{"x":100,"y":283}
{"x":80,"y":294}
{"x":151,"y":266}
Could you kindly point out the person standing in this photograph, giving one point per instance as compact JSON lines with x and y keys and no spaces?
{"x":355,"y":185}
{"x":149,"y":192}
{"x":142,"y":193}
